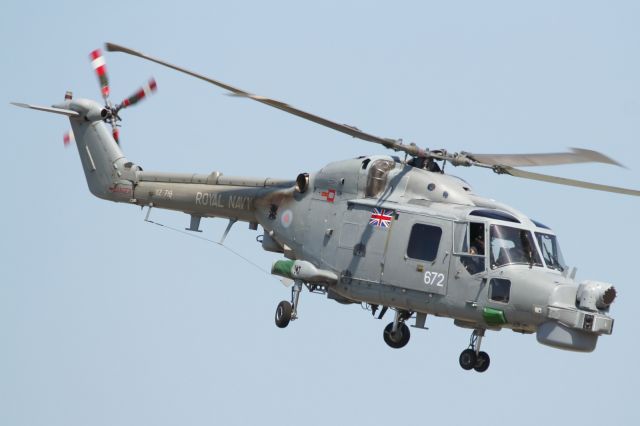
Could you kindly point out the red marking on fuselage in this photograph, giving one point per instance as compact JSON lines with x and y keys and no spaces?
{"x":329,"y":195}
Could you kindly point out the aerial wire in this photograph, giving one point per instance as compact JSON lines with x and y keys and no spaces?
{"x":232,"y":251}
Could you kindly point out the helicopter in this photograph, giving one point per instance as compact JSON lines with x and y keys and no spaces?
{"x":387,"y":232}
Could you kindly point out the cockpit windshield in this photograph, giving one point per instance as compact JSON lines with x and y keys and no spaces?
{"x":512,"y":246}
{"x":551,"y":251}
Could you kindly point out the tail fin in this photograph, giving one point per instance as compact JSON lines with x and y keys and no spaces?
{"x":109,"y":174}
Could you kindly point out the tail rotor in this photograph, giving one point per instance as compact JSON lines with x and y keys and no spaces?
{"x":112,"y":117}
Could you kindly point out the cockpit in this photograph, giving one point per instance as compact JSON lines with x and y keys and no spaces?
{"x":495,"y":245}
{"x":512,"y":246}
{"x":551,"y":253}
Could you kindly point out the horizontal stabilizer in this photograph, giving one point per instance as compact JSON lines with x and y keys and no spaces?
{"x":67,"y":112}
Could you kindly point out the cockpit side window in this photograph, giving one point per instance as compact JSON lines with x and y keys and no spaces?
{"x":476,"y":238}
{"x":474,"y":245}
{"x":551,"y":251}
{"x":499,"y":290}
{"x":512,"y":246}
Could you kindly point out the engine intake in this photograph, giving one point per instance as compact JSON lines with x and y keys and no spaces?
{"x":302,"y":182}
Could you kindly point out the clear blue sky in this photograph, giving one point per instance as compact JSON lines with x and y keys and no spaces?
{"x":107,"y":320}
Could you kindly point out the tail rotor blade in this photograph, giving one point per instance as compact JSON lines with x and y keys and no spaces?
{"x":98,"y":63}
{"x":142,"y":93}
{"x":116,"y":135}
{"x":68,"y":138}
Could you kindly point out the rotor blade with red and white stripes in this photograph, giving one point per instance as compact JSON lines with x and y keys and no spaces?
{"x":149,"y":88}
{"x":98,"y":63}
{"x":116,"y":134}
{"x":68,"y":138}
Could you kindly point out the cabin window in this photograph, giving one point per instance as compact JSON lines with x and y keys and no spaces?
{"x":424,"y":242}
{"x":499,"y":290}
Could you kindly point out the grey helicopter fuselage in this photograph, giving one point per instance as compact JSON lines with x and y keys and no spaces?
{"x":376,"y":230}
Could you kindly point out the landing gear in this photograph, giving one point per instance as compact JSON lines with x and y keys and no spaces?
{"x":396,"y":334}
{"x":397,"y":339}
{"x":288,"y":311}
{"x":283,"y":314}
{"x":468,"y":359}
{"x":482,"y":362}
{"x":472,"y":357}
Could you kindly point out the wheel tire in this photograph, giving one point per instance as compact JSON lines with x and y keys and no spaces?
{"x":482,"y":362}
{"x":398,"y":339}
{"x":283,"y":314}
{"x":468,"y":359}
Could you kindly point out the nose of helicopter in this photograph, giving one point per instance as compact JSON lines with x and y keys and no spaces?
{"x":577,"y":316}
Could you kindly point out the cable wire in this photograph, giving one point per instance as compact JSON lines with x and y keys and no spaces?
{"x":249,"y":261}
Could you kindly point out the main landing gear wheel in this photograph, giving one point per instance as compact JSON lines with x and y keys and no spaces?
{"x":482,"y":362}
{"x":472,"y":358}
{"x":283,"y":314}
{"x":468,"y":359}
{"x":398,"y":339}
{"x":288,"y":311}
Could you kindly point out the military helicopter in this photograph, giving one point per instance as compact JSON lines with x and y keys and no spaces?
{"x":379,"y":230}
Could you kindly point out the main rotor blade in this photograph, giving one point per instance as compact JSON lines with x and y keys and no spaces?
{"x":577,"y":155}
{"x":564,"y":181}
{"x":344,"y":128}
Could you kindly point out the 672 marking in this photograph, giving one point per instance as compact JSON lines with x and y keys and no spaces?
{"x":434,"y":278}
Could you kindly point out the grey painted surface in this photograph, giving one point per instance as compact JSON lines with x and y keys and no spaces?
{"x":333,"y":232}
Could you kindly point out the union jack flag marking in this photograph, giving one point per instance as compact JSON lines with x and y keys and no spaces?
{"x":381,"y":218}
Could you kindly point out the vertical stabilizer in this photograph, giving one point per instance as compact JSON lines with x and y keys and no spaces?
{"x":109,"y":174}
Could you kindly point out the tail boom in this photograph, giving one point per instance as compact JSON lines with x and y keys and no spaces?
{"x":111,"y":176}
{"x":209,"y":195}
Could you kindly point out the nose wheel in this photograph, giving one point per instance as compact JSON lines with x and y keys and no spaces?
{"x":473,"y":358}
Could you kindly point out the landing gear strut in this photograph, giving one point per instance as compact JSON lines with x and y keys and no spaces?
{"x":472,"y":357}
{"x":396,"y":334}
{"x":288,"y":311}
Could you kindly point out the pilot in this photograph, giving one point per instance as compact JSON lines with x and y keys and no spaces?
{"x":476,"y":247}
{"x":477,"y":244}
{"x":473,"y":265}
